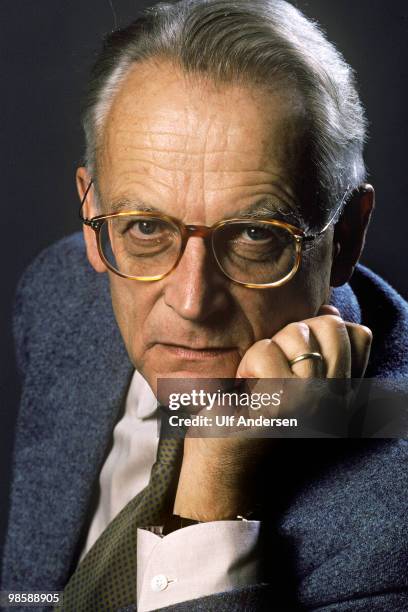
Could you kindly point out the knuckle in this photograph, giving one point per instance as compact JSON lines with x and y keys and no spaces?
{"x":253,"y":368}
{"x":333,"y":322}
{"x":299,"y":328}
{"x":255,"y":348}
{"x":259,"y":361}
{"x":366,"y":333}
{"x":302,"y":327}
{"x":360,"y":334}
{"x":261,"y":346}
{"x":255,"y":357}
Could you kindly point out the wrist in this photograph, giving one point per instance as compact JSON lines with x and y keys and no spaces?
{"x":211,"y":490}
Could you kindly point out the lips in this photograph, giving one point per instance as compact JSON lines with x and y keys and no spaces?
{"x":196,"y":348}
{"x":199,"y":352}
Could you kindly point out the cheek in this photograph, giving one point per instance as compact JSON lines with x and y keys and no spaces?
{"x":313,"y":280}
{"x":316,"y":270}
{"x":131,"y":305}
{"x":269,"y":310}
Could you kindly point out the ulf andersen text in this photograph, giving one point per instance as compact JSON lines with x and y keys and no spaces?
{"x":230,"y":421}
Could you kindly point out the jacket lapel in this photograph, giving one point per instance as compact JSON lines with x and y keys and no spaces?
{"x":75,"y":383}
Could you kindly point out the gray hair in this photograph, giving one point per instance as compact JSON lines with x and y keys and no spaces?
{"x":263,"y":42}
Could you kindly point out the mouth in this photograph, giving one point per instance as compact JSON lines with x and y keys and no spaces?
{"x":196,"y":353}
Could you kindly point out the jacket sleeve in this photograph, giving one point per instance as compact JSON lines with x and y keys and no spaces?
{"x":260,"y":598}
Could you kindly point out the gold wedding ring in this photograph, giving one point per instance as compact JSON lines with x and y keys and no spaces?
{"x":318,"y":356}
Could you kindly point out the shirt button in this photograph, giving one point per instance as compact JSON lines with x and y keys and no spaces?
{"x":159,"y":583}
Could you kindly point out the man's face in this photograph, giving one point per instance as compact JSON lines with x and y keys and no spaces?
{"x":202,"y":154}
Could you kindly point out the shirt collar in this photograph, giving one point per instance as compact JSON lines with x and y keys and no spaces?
{"x":140,"y":398}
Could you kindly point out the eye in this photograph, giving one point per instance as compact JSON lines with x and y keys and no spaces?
{"x":256,"y":233}
{"x":145,"y":227}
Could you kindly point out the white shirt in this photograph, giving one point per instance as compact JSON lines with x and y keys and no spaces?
{"x":191,"y":562}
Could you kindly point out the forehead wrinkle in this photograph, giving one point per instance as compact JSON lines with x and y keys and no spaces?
{"x":203,"y":123}
{"x":204,"y":170}
{"x":172,"y":166}
{"x":191,"y":144}
{"x":266,"y":207}
{"x":208,"y":163}
{"x":155,"y":142}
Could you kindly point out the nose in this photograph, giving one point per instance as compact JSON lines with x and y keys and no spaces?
{"x":196,"y":288}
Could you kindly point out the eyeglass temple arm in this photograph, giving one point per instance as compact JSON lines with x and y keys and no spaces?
{"x":84,"y":219}
{"x":310,"y":237}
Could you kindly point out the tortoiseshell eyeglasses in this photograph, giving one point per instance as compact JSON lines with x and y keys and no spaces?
{"x":147,"y":246}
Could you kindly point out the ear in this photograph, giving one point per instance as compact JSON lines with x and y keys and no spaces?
{"x":349,"y":234}
{"x":89,"y":210}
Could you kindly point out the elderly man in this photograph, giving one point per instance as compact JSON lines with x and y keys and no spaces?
{"x":224,"y":198}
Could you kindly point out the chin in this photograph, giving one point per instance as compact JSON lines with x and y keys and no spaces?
{"x":182,"y":380}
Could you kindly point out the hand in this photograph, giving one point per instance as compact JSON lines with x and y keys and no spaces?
{"x":345,"y":348}
{"x":217,"y":473}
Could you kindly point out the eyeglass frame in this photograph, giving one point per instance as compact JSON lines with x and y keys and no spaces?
{"x":205,"y":231}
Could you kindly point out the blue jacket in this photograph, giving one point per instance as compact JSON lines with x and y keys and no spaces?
{"x":337,"y":538}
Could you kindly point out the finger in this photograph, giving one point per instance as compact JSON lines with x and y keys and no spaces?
{"x":360,"y":338}
{"x":297,"y":339}
{"x":264,"y":359}
{"x":328,"y":309}
{"x":331,"y":333}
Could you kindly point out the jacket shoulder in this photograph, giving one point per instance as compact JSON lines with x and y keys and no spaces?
{"x":57,"y":289}
{"x":55,"y":268}
{"x":385,"y":312}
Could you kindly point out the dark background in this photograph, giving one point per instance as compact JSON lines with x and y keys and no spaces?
{"x":46,"y":50}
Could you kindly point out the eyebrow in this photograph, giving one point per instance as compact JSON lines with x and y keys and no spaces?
{"x":268,"y":207}
{"x":265,"y":208}
{"x":125,"y":204}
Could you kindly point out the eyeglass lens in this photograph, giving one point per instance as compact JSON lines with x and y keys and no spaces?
{"x":248,"y":252}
